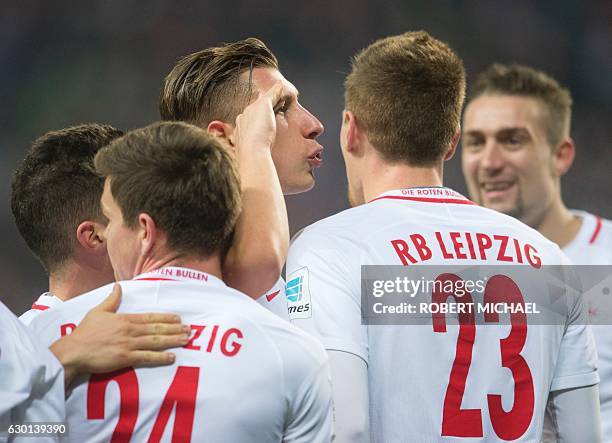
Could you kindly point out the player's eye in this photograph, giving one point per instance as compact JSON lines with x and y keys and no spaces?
{"x":282,"y":107}
{"x":514,"y":141}
{"x":473,"y":143}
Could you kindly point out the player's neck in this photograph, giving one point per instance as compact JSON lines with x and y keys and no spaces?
{"x":74,"y":279}
{"x":382,"y":177}
{"x":559,"y":225}
{"x":210,"y":265}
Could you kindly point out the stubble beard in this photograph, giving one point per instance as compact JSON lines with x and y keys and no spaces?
{"x":518,"y":210}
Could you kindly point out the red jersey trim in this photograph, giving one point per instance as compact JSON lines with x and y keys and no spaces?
{"x":271,"y":296}
{"x":40,"y":307}
{"x":597,"y":229}
{"x":425,"y":199}
{"x":177,"y":273}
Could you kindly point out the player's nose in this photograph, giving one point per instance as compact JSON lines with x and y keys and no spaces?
{"x":492,"y":157}
{"x":312,"y":126}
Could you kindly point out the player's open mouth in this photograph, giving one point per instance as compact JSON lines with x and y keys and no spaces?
{"x":316,"y":159}
{"x":496,"y":190}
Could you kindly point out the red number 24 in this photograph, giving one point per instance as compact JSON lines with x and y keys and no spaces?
{"x":182,"y":393}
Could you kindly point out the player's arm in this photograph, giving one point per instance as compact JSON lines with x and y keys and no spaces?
{"x":255,"y":260}
{"x":351,"y":399}
{"x":575,"y":415}
{"x":105,"y":341}
{"x":31,"y":381}
{"x":573,"y":405}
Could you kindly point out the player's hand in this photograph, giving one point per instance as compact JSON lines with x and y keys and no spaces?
{"x":256,"y":126}
{"x":106,"y":341}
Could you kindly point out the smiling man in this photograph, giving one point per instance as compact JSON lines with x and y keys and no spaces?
{"x":516,"y":148}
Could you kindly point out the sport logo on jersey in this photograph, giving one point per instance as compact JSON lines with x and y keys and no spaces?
{"x":294,"y":289}
{"x":298,"y":295}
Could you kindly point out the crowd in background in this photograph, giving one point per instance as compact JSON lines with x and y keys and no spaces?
{"x":104,"y":62}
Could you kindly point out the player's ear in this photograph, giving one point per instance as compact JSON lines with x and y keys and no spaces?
{"x":148,"y":234}
{"x":224,"y":132}
{"x":453,"y":147}
{"x":563,"y":157}
{"x":350,"y":132}
{"x":90,"y":236}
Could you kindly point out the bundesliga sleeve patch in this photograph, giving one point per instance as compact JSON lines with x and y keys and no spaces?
{"x":298,"y":294}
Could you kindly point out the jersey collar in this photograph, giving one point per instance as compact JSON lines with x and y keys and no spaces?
{"x":425,"y":195}
{"x":45,"y":301}
{"x":177,"y":273}
{"x":589,"y":230}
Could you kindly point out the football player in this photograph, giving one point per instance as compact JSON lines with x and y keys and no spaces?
{"x":172,"y":198}
{"x":516,"y":148}
{"x":444,"y":381}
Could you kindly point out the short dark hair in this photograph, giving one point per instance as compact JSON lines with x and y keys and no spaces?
{"x":56,"y":188}
{"x":206,"y":86}
{"x":407,"y":91}
{"x":182,"y":178}
{"x":520,"y":80}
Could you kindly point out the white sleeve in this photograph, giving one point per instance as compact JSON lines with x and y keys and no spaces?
{"x":574,"y":414}
{"x":311,"y":411}
{"x":275,"y":300}
{"x":351,"y":399}
{"x":32,"y":380}
{"x":324,"y":292}
{"x":577,"y":361}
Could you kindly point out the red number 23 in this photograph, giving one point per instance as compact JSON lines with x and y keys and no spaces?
{"x":508,"y":425}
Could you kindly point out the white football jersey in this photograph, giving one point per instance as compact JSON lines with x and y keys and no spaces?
{"x":593,"y":243}
{"x":448,"y":384}
{"x":275,"y":301}
{"x":42,"y":303}
{"x":31,"y":378}
{"x":593,"y":246}
{"x":245,"y":375}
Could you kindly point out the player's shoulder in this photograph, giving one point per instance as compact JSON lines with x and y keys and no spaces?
{"x":73,"y":309}
{"x":520,"y":229}
{"x":597,"y":229}
{"x":593,"y":242}
{"x":10,"y":323}
{"x":294,"y":354}
{"x":342,"y":226}
{"x":227,"y":304}
{"x":604,"y":234}
{"x":13,"y":333}
{"x":277,"y":329}
{"x":301,"y":342}
{"x":88,"y":300}
{"x":23,"y":346}
{"x":44,"y":302}
{"x":300,"y":352}
{"x":291,"y":342}
{"x":297,"y":351}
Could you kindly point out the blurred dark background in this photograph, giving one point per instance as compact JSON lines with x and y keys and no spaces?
{"x":69,"y":62}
